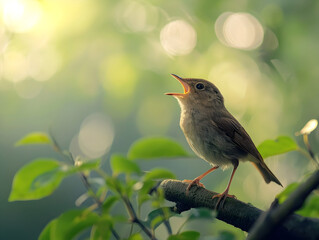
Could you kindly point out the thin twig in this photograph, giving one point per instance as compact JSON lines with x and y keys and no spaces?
{"x":132,"y":213}
{"x":183,"y":224}
{"x":168,"y":227}
{"x":164,"y":214}
{"x":101,"y":173}
{"x":115,"y":234}
{"x":90,"y":189}
{"x":56,"y":147}
{"x":131,"y":229}
{"x":135,"y":219}
{"x":311,"y":153}
{"x":97,"y":200}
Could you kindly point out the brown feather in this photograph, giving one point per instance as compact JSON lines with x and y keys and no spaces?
{"x":266,"y":173}
{"x":238,"y":134}
{"x":240,"y":137}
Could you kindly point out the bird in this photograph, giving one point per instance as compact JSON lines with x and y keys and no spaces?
{"x":214,"y":134}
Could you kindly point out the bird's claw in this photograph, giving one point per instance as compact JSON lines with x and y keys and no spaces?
{"x":222,"y":197}
{"x":191,"y":183}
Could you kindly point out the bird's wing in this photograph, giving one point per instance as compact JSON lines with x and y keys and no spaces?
{"x":238,"y":134}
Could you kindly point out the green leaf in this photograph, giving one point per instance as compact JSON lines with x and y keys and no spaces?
{"x":129,"y":186}
{"x":34,"y":138}
{"x":287,"y":191}
{"x":157,"y":221}
{"x":142,"y":198}
{"x":146,"y":187}
{"x":310,"y":207}
{"x":108,"y":203}
{"x":156,"y":147}
{"x":121,"y":164}
{"x":159,"y":173}
{"x":69,"y":225}
{"x":225,"y":235}
{"x":143,"y":191}
{"x":136,"y":236}
{"x":282,"y":144}
{"x":37,"y":179}
{"x":115,"y":185}
{"x":101,"y":229}
{"x":157,"y":216}
{"x":187,"y":235}
{"x":45,"y":234}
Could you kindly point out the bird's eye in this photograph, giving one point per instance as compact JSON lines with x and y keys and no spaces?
{"x":200,"y":86}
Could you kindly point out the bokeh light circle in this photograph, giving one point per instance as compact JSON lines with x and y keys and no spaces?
{"x":178,"y":38}
{"x":136,"y":16}
{"x":239,"y":30}
{"x":96,"y":136}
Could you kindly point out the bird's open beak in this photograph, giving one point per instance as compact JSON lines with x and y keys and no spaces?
{"x":185,"y":86}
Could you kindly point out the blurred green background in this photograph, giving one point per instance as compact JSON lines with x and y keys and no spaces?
{"x":94,"y":74}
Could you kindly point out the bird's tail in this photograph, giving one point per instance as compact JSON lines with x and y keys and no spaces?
{"x":266,"y":173}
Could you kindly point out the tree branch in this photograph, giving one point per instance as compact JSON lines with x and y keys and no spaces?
{"x":237,"y":213}
{"x":278,"y":213}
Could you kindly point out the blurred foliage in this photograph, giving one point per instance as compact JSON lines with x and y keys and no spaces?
{"x":93,"y":73}
{"x":41,"y":177}
{"x":155,"y":148}
{"x":188,"y":235}
{"x":34,"y":138}
{"x":311,"y":206}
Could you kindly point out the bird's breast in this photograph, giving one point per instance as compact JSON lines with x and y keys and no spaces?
{"x":204,"y":139}
{"x":201,"y":137}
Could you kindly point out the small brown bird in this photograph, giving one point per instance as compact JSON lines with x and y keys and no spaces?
{"x":214,"y":134}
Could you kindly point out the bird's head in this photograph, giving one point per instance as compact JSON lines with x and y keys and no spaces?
{"x":198,"y":91}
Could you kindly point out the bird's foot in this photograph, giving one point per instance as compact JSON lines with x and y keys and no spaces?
{"x":193,"y":182}
{"x":222,"y":197}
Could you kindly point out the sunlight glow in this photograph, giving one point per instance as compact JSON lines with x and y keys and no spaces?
{"x":4,"y":40}
{"x":21,"y":15}
{"x":14,"y":66}
{"x":178,"y":38}
{"x":239,"y":30}
{"x":42,"y":64}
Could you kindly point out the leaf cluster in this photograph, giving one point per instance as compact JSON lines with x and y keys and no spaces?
{"x":128,"y":186}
